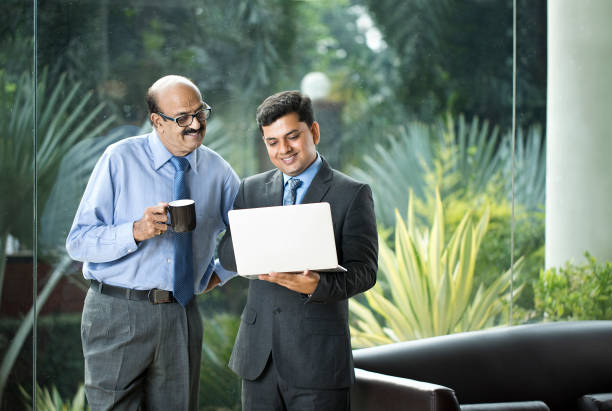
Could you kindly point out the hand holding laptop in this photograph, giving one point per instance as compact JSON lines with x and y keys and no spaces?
{"x":304,"y":283}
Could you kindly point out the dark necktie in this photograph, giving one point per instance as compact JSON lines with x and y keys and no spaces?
{"x":183,"y":254}
{"x":291,"y":191}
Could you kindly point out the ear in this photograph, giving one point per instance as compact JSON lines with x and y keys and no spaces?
{"x":155,"y":120}
{"x":314,"y":129}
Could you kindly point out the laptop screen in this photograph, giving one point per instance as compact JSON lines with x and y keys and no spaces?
{"x":283,"y":239}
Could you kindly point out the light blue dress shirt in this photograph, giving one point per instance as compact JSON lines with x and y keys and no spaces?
{"x":307,"y":176}
{"x":131,"y":175}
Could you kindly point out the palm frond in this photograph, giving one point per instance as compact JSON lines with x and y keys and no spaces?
{"x":463,"y":159}
{"x":62,"y":123}
{"x":426,"y":284}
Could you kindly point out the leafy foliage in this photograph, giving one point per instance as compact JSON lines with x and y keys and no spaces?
{"x":50,"y":400}
{"x":220,"y":387}
{"x":427,"y":286}
{"x":59,"y":357}
{"x":457,"y":56}
{"x":471,"y":163}
{"x":62,"y":122}
{"x":576,"y":291}
{"x":465,"y":160}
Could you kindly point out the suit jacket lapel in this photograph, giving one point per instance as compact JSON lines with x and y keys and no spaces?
{"x":320,"y":184}
{"x":273,"y":189}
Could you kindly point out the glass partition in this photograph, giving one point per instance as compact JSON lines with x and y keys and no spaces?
{"x":17,"y":186}
{"x":416,"y":100}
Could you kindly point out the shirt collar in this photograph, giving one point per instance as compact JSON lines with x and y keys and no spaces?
{"x":309,"y":173}
{"x":161,"y":155}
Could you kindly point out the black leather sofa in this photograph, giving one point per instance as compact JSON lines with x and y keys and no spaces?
{"x":550,"y":366}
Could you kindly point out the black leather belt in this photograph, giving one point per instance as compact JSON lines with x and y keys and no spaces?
{"x":154,"y":296}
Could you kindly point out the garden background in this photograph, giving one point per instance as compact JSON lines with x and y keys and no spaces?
{"x":413,"y":97}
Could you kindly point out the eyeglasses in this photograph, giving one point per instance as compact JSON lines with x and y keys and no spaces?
{"x":186,"y":119}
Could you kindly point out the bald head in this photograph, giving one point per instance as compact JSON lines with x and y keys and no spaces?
{"x":163,"y":86}
{"x":172,"y":98}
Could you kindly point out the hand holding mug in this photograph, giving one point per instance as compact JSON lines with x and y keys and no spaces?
{"x":152,"y":223}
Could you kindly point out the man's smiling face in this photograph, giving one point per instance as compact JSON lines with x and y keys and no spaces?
{"x":174,"y":101}
{"x":291,"y":144}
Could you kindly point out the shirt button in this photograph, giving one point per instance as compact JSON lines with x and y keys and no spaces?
{"x":169,"y":261}
{"x":129,"y":250}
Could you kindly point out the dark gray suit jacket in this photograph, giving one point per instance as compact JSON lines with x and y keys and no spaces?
{"x":308,"y":337}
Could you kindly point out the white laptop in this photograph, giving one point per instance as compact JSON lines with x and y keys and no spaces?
{"x":284,"y":239}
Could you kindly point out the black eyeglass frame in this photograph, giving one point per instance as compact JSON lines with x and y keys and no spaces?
{"x":207,"y":110}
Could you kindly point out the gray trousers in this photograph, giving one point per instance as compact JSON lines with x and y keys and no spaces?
{"x":140,"y":356}
{"x":270,"y":392}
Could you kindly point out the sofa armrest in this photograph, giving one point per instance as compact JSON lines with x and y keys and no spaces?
{"x":595,"y":402}
{"x":507,"y":406}
{"x":375,"y":391}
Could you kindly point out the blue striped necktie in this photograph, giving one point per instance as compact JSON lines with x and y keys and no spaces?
{"x":291,"y":191}
{"x":183,"y":253}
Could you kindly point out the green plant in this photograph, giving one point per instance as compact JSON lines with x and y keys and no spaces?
{"x":464,"y":160}
{"x":427,"y":286}
{"x":219,"y":386}
{"x":495,"y":249}
{"x":471,"y":163}
{"x":529,"y":167}
{"x":63,"y":120}
{"x":456,"y":56}
{"x":576,"y":291}
{"x":12,"y":352}
{"x":50,"y":400}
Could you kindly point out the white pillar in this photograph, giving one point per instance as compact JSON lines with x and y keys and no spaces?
{"x":579,"y":131}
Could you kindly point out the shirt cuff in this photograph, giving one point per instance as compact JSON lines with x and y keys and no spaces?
{"x":223,"y":274}
{"x":125,"y":237}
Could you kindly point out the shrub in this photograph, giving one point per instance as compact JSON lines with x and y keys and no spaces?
{"x":576,"y":291}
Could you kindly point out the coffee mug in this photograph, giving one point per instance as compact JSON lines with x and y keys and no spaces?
{"x":182,"y":215}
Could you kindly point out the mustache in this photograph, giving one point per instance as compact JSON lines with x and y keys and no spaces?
{"x":191,"y":130}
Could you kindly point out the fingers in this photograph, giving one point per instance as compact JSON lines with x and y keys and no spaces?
{"x":152,"y":223}
{"x":277,"y":277}
{"x":304,"y":282}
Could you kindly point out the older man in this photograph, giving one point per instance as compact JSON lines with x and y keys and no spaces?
{"x":141,"y":327}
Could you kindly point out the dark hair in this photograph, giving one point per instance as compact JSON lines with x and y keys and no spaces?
{"x":151,"y":100}
{"x":283,"y":103}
